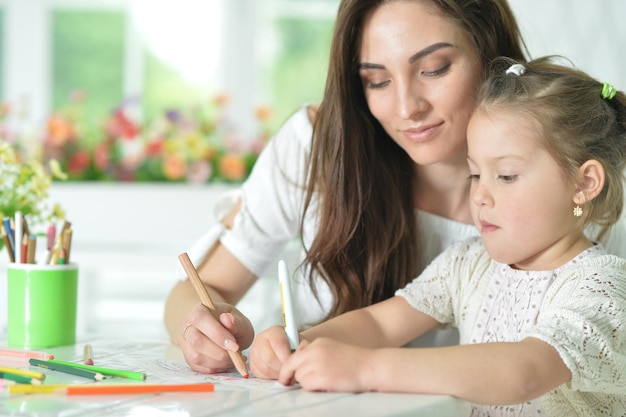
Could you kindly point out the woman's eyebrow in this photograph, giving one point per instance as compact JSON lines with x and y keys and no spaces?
{"x":418,"y":55}
{"x":429,"y":50}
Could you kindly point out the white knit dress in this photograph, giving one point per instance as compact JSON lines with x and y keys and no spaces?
{"x":579,"y":309}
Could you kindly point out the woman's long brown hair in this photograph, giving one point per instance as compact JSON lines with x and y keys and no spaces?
{"x":359,"y":180}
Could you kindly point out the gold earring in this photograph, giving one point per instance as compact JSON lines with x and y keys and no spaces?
{"x":578,"y":211}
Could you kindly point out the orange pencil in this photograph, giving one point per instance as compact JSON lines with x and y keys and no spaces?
{"x":236,"y":357}
{"x":109,"y":389}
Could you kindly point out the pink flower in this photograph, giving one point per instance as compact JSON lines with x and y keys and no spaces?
{"x":199,"y":172}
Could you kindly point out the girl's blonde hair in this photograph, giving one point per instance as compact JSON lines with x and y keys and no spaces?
{"x":578,"y":123}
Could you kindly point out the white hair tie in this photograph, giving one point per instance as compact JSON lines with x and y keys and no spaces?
{"x":517,"y":69}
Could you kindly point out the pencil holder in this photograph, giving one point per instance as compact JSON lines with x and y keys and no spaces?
{"x":41,"y":305}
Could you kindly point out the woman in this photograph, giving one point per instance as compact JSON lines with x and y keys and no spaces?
{"x":380,"y":177}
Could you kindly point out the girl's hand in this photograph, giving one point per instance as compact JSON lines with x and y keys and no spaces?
{"x":268,"y":353}
{"x":205,"y":341}
{"x":328,"y":365}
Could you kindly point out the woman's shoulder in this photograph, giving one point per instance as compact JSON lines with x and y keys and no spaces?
{"x":292,"y":141}
{"x":300,"y":122}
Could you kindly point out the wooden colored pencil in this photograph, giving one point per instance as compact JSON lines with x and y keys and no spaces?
{"x":19,"y":378}
{"x":6,"y":382}
{"x":67,"y":243}
{"x":7,"y":244}
{"x":24,"y":354}
{"x":31,"y":249}
{"x":88,"y":355}
{"x":236,"y":357}
{"x":54,"y":366}
{"x":30,"y":374}
{"x":35,"y":389}
{"x":110,"y":389}
{"x":137,"y":376}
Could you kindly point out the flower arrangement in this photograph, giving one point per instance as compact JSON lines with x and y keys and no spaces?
{"x":196,"y":145}
{"x":24,"y":187}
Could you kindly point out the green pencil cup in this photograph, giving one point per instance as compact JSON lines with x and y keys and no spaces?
{"x":41,"y":305}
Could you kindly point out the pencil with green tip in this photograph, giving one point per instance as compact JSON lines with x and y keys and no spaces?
{"x":137,"y":376}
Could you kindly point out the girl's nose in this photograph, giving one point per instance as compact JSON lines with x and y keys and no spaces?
{"x":480,"y":195}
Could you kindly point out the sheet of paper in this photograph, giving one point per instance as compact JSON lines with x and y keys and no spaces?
{"x":164,"y":363}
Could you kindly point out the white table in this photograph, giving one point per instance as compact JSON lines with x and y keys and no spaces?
{"x":233,"y":396}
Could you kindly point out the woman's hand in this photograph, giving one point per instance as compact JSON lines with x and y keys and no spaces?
{"x":205,"y":341}
{"x":268,"y":353}
{"x":328,"y":365}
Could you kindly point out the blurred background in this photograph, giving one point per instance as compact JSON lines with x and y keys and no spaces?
{"x":157,"y":106}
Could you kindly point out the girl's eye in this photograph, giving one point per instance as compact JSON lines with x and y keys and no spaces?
{"x":507,"y":178}
{"x":474,"y":177}
{"x":438,"y":71}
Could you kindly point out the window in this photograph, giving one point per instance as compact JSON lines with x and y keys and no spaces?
{"x":168,"y":53}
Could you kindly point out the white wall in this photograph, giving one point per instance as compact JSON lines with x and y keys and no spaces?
{"x":590,"y":33}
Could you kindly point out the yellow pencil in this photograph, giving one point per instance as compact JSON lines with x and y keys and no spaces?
{"x":35,"y":389}
{"x":23,"y":372}
{"x":192,"y":274}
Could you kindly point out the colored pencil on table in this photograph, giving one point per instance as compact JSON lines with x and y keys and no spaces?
{"x":19,"y":378}
{"x":137,"y":388}
{"x":137,"y":376}
{"x":88,"y":355}
{"x":6,"y":382}
{"x":23,"y":372}
{"x":196,"y":282}
{"x":111,"y":389}
{"x":24,"y":354}
{"x":96,"y":376}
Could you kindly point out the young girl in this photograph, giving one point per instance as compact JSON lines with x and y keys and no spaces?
{"x":539,"y":307}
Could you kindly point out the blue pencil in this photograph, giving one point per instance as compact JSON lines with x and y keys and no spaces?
{"x":9,"y":231}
